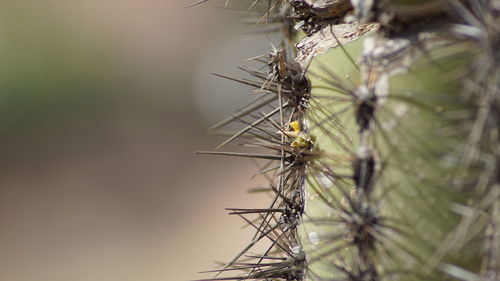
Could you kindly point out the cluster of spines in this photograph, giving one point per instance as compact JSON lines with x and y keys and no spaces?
{"x":273,"y":123}
{"x":286,"y":90}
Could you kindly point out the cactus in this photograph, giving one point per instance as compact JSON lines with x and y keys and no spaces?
{"x":377,"y":124}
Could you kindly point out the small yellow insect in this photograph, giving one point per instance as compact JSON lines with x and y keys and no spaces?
{"x":301,"y":140}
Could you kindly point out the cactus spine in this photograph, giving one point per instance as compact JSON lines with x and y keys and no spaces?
{"x":381,"y":126}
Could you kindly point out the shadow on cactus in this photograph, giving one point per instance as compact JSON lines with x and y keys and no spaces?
{"x":377,"y":126}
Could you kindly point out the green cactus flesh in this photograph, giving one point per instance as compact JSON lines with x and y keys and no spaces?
{"x":417,"y":137}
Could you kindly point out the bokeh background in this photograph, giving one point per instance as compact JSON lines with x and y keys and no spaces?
{"x":102,"y":105}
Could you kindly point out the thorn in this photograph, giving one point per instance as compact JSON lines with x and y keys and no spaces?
{"x":195,"y":3}
{"x":238,"y":154}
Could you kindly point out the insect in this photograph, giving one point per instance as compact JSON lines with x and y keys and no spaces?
{"x":301,"y":139}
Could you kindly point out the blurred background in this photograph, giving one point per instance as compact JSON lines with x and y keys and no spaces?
{"x":102,"y":105}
